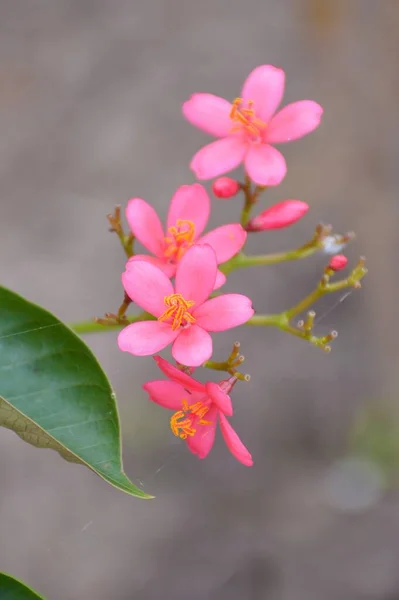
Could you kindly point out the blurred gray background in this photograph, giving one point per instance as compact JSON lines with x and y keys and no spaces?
{"x":90,"y":97}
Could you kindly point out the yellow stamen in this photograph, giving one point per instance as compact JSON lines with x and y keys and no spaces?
{"x":180,"y":238}
{"x":182,"y":425}
{"x":177,"y":310}
{"x":245,"y":118}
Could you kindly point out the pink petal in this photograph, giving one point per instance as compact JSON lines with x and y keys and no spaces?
{"x":265,"y":87}
{"x":202,"y":441}
{"x":165,"y":393}
{"x":220,"y":398}
{"x":265,"y":165}
{"x":209,"y":113}
{"x":145,"y":225}
{"x":191,"y":203}
{"x":224,"y":312}
{"x":234,"y":443}
{"x":220,"y":280}
{"x":226,"y":241}
{"x":294,"y":121}
{"x":147,"y":286}
{"x":196,"y":274}
{"x":146,"y":337}
{"x":179,"y":376}
{"x":192,"y":347}
{"x":168,"y":268}
{"x":219,"y":157}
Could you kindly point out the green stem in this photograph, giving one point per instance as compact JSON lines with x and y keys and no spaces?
{"x":94,"y":326}
{"x":267,"y":320}
{"x":251,"y":198}
{"x":306,"y":302}
{"x":246,"y":211}
{"x":241,"y":261}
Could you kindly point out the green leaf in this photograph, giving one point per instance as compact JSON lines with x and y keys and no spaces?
{"x":53,"y":392}
{"x":12,"y":589}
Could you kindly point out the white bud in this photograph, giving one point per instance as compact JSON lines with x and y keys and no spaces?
{"x":332,"y":244}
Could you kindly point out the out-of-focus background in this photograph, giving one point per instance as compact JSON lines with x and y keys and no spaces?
{"x":90,"y":115}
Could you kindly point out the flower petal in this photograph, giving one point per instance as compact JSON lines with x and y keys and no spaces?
{"x":265,"y":165}
{"x":220,"y":398}
{"x":196,"y":274}
{"x":294,"y":121}
{"x":168,"y":268}
{"x":168,"y":394}
{"x":209,"y":113}
{"x":224,"y":312}
{"x":233,"y":442}
{"x":226,"y":241}
{"x":219,"y":157}
{"x":146,"y":337}
{"x":191,"y":203}
{"x":145,"y":225}
{"x":265,"y":87}
{"x":220,"y":280}
{"x":147,"y":285}
{"x":192,"y":347}
{"x":179,"y":376}
{"x":202,"y":441}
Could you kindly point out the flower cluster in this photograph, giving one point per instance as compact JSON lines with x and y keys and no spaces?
{"x":177,"y":282}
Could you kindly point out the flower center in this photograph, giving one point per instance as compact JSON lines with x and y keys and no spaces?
{"x":180,"y":238}
{"x":178,"y":311}
{"x":245,"y":120}
{"x":182,"y":421}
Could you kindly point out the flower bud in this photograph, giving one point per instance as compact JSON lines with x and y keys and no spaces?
{"x":278,"y":216}
{"x":338,"y":262}
{"x":332,"y":244}
{"x":225,"y":187}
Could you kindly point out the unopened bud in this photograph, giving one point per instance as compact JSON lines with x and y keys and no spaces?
{"x":225,"y":187}
{"x":333,"y":244}
{"x":278,"y":216}
{"x":338,"y":262}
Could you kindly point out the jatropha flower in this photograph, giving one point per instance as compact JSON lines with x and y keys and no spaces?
{"x":198,"y":407}
{"x":183,"y":313}
{"x":248,"y":126}
{"x":187,"y":218}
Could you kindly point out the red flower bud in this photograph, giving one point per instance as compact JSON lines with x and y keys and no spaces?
{"x":225,"y":187}
{"x":278,"y":216}
{"x":338,"y":262}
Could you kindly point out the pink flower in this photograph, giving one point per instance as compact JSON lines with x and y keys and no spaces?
{"x":187,"y":217}
{"x":184,"y":315}
{"x":279,"y":215}
{"x":248,"y":126}
{"x":199,"y":407}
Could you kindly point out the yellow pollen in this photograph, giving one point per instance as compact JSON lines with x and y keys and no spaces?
{"x":180,"y":238}
{"x":177,"y":310}
{"x":245,"y":118}
{"x":181,"y":423}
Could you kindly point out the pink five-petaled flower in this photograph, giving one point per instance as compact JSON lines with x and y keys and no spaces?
{"x":184,"y":315}
{"x":198,"y":408}
{"x":187,"y":217}
{"x":248,"y":126}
